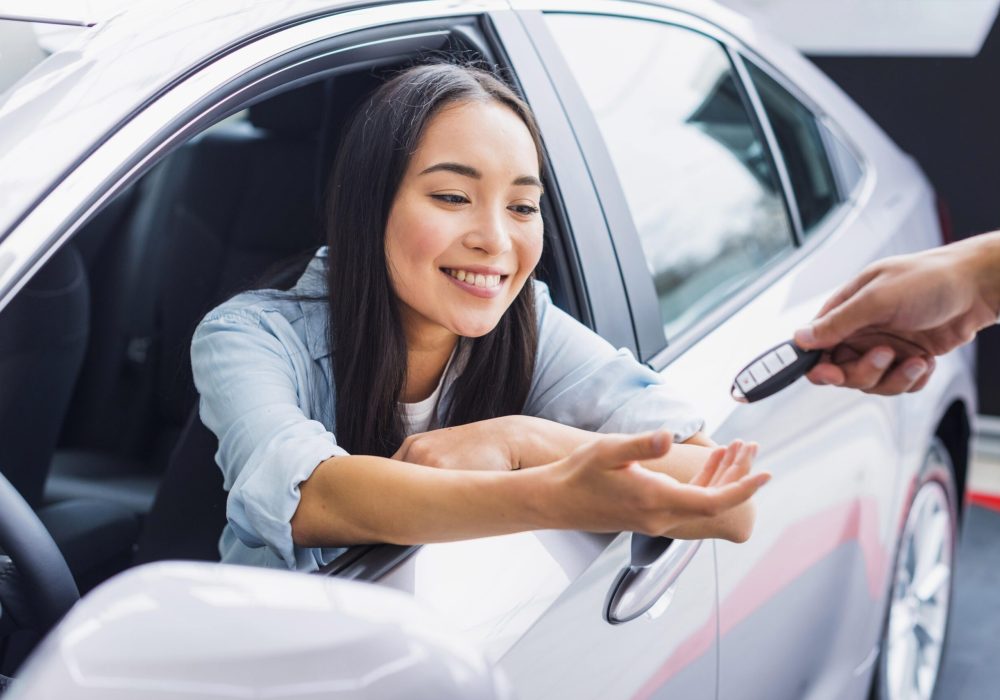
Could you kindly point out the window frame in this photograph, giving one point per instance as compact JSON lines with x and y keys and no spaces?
{"x":133,"y":149}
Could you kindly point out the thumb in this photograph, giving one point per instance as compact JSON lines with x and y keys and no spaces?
{"x":619,"y":450}
{"x":837,"y":324}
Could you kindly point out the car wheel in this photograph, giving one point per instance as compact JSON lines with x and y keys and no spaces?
{"x":916,"y":624}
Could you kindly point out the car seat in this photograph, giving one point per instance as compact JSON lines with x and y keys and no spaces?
{"x":206,"y":223}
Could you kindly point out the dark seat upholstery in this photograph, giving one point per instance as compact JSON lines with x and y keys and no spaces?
{"x":189,"y":512}
{"x":207,"y":222}
{"x":43,"y":335}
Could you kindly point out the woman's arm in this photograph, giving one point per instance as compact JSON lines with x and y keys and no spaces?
{"x":599,"y":487}
{"x":516,"y":442}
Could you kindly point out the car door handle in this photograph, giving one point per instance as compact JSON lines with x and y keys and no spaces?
{"x":649,"y":578}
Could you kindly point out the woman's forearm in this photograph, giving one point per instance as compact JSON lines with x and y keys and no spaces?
{"x":359,"y":500}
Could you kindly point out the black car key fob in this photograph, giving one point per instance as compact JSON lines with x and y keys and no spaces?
{"x":773,"y":371}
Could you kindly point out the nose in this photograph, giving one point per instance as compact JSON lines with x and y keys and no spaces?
{"x":489,"y":232}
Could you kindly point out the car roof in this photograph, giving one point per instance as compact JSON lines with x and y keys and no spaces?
{"x":70,"y":102}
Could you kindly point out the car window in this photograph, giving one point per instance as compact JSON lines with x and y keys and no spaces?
{"x":846,"y":165}
{"x":696,"y":174}
{"x":797,"y":132}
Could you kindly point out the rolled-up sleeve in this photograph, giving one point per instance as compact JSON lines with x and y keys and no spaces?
{"x":582,"y":380}
{"x":250,"y":376}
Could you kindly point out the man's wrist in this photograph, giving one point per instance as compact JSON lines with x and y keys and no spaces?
{"x":988,"y":258}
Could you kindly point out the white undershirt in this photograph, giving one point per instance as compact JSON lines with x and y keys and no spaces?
{"x":417,"y":416}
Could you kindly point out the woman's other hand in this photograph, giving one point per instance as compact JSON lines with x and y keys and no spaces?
{"x":602,"y":486}
{"x":497,"y":444}
{"x":488,"y":445}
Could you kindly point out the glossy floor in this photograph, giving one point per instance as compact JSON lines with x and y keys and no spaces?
{"x":970,"y":667}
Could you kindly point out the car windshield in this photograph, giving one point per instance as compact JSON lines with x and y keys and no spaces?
{"x":24,"y":45}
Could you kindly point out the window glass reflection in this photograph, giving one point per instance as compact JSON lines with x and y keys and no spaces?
{"x":698,"y":180}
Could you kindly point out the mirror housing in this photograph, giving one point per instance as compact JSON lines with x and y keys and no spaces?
{"x":197,"y":630}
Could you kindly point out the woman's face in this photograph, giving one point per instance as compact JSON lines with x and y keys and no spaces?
{"x":465,"y":231}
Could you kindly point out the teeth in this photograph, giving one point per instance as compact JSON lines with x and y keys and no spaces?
{"x":473,"y":278}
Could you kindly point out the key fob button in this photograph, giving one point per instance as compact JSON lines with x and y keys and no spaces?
{"x":787,"y":354}
{"x":772,"y":363}
{"x":759,"y":371}
{"x":745,"y":381}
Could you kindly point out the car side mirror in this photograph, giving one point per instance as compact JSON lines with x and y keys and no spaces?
{"x":217,"y":631}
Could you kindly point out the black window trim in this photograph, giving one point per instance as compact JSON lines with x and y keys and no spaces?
{"x":631,"y":274}
{"x":846,"y":197}
{"x":770,"y":141}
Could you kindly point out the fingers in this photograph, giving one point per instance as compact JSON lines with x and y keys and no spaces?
{"x":922,"y":381}
{"x":740,"y":462}
{"x":874,"y":372}
{"x":902,"y":378}
{"x":848,"y":311}
{"x":695,"y":501}
{"x":848,"y":290}
{"x":826,"y":373}
{"x":711,"y":468}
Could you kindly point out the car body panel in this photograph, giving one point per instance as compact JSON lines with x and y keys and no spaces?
{"x":796,"y":611}
{"x":828,"y":522}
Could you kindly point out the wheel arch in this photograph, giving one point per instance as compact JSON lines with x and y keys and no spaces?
{"x":955,"y":429}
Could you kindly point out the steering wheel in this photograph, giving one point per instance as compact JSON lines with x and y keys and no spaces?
{"x":43,"y":581}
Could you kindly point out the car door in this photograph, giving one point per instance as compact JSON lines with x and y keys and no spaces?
{"x":716,"y":228}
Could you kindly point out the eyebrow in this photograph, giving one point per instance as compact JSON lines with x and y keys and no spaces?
{"x":469,"y":171}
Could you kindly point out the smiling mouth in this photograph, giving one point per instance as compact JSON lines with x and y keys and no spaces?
{"x":476,"y":279}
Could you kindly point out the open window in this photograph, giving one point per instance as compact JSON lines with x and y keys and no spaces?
{"x":235,"y":187}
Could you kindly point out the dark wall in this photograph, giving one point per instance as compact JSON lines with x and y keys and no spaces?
{"x":946,"y":113}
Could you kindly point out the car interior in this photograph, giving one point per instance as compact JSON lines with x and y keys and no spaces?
{"x":99,"y":412}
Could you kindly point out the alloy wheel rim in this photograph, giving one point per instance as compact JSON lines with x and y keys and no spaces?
{"x":918,"y":616}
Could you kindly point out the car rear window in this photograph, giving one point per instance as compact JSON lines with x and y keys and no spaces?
{"x":696,"y":173}
{"x":797,"y":131}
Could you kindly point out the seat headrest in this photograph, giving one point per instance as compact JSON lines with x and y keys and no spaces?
{"x":299,"y":110}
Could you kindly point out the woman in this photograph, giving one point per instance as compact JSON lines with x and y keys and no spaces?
{"x":417,"y":385}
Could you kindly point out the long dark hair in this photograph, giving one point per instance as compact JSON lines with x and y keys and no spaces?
{"x":366,"y":336}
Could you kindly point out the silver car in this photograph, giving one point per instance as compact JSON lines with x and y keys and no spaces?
{"x":708,"y":189}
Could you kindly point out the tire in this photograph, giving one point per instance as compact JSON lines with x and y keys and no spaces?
{"x":916,"y":624}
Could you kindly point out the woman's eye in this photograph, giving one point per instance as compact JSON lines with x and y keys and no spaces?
{"x":451,"y":198}
{"x":524,"y":209}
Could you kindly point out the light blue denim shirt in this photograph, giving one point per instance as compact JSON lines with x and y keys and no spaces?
{"x":262,"y":367}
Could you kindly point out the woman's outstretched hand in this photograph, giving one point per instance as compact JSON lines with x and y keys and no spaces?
{"x":602,"y":487}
